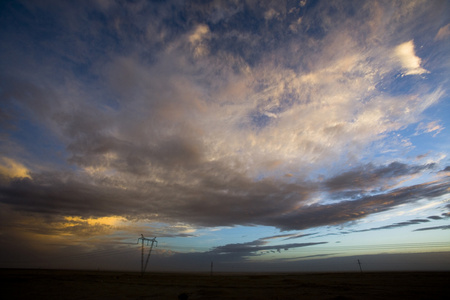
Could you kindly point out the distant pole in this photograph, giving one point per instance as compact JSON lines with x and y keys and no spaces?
{"x":359,"y":263}
{"x":142,"y":255}
{"x":142,"y":238}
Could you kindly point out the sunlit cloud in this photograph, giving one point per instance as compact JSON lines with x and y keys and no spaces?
{"x":408,"y":59}
{"x":196,"y":39}
{"x":10,"y":169}
{"x":433,"y":127}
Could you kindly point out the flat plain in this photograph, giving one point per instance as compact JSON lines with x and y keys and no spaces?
{"x":71,"y":284}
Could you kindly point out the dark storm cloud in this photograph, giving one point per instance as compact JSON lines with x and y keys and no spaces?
{"x":345,"y":211}
{"x":370,"y":176}
{"x":218,"y":198}
{"x":89,"y":150}
{"x":240,"y":201}
{"x":228,"y":198}
{"x":60,"y":194}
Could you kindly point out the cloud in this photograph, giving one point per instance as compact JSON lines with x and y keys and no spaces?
{"x":10,"y":169}
{"x":170,"y":93}
{"x":252,"y":248}
{"x":443,"y":33}
{"x":238,"y":200}
{"x":215,"y":11}
{"x":429,"y":128}
{"x":369,"y":176}
{"x":317,"y":255}
{"x":295,"y":25}
{"x":406,"y":223}
{"x":296,"y":236}
{"x":197,"y":40}
{"x":270,"y":14}
{"x":200,"y":33}
{"x":443,"y":227}
{"x":397,"y":225}
{"x":213,"y":114}
{"x":408,"y":59}
{"x":345,"y":211}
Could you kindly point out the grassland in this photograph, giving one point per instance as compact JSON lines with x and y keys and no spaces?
{"x":65,"y":284}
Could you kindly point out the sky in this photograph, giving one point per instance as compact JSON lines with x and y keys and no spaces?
{"x":258,"y":135}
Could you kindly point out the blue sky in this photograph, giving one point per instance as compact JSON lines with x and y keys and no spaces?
{"x":261,"y":135}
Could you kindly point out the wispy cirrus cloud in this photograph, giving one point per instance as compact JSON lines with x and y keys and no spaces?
{"x":432,"y":127}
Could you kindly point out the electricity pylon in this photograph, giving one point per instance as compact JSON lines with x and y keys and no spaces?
{"x":153,"y":240}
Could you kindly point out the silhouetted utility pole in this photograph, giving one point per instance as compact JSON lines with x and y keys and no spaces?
{"x":359,"y":263}
{"x":153,"y":240}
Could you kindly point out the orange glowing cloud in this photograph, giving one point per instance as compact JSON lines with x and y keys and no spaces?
{"x":10,"y":169}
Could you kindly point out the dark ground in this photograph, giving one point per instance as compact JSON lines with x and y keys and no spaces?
{"x":59,"y":284}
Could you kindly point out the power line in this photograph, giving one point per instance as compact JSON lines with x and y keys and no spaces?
{"x":378,"y":246}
